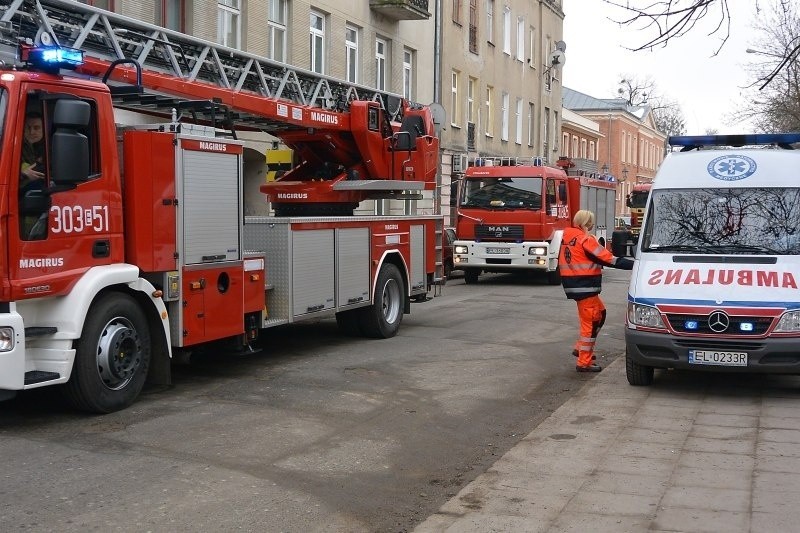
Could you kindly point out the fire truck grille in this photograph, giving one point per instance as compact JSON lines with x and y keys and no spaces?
{"x":509,"y":233}
{"x":739,"y":325}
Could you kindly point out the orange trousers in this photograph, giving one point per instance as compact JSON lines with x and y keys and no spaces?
{"x":592,"y":316}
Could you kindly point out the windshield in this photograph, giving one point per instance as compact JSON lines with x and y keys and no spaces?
{"x":503,"y":193}
{"x":725,"y":221}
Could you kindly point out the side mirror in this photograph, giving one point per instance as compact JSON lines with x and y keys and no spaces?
{"x":622,"y":244}
{"x":69,"y":163}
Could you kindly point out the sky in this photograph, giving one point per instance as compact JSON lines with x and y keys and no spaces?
{"x":706,"y":87}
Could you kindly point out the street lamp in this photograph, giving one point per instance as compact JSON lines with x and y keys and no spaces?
{"x":604,"y":169}
{"x":762,"y":53}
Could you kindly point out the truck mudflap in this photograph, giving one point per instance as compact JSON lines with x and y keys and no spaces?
{"x":12,"y":362}
{"x":773,"y":355}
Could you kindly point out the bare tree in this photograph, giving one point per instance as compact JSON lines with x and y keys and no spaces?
{"x":773,"y":100}
{"x":667,"y":113}
{"x":673,"y":18}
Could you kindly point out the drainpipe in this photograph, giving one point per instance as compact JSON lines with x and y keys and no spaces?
{"x":437,"y":52}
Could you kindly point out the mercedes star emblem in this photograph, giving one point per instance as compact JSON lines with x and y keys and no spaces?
{"x":718,"y":321}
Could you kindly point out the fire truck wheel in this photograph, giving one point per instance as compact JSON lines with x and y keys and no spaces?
{"x":471,"y":275}
{"x":554,"y":277}
{"x":382,"y":319}
{"x":111,"y":357}
{"x":638,"y":375}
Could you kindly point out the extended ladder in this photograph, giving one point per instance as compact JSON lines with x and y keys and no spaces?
{"x":179,"y":67}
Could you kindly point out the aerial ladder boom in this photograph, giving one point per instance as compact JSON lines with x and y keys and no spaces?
{"x":353,"y":142}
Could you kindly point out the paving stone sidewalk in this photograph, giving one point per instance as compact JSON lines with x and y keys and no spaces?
{"x":617,"y":458}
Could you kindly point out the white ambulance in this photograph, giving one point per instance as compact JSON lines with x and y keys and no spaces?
{"x":716,"y":285}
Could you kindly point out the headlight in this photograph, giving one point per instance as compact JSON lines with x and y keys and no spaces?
{"x":6,"y":339}
{"x":644,"y":315}
{"x":461,"y":249}
{"x":789,"y":323}
{"x":537,"y":250}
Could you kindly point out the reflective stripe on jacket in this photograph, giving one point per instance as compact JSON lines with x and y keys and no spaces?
{"x":580,"y":261}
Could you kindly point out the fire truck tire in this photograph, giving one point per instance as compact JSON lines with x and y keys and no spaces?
{"x":382,"y":319}
{"x":638,"y":375}
{"x":471,"y":275}
{"x":111,"y":357}
{"x":554,"y":277}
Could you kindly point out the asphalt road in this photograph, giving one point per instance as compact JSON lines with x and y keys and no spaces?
{"x":317,"y":432}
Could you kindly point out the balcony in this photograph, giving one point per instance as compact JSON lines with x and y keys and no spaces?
{"x":401,"y":9}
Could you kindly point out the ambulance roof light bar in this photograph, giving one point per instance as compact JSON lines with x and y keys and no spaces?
{"x":692,"y":142}
{"x":52,"y":59}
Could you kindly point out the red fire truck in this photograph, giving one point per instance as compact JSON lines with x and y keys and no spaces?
{"x":128,"y":244}
{"x":511,"y":216}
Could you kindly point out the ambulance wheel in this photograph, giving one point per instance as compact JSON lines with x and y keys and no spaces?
{"x":382,"y":319}
{"x":471,"y":275}
{"x":111,"y":357}
{"x":638,"y":375}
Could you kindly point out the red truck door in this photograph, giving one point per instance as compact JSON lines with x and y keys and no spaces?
{"x":57,"y":231}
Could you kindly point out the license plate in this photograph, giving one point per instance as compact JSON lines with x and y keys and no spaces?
{"x":498,"y":250}
{"x":708,"y":357}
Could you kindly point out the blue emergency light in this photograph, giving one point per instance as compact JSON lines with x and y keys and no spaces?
{"x":751,"y":139}
{"x":50,"y":59}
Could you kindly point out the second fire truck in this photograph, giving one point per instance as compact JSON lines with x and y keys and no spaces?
{"x":510,"y":217}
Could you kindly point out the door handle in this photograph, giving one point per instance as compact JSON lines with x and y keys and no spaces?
{"x":101,"y":248}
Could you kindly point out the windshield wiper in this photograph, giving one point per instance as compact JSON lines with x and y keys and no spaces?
{"x":741,"y":248}
{"x":675,"y":248}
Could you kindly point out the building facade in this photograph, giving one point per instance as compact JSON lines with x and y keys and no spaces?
{"x":499,"y":86}
{"x":630,"y":148}
{"x":580,"y":138}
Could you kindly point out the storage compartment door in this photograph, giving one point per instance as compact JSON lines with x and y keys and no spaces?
{"x":418,"y":273}
{"x":352,"y":266}
{"x":313,"y":271}
{"x":211,"y":207}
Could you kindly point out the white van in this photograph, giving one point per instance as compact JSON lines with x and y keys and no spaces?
{"x":716,"y":284}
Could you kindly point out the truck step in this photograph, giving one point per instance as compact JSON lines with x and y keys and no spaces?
{"x":40,"y":376}
{"x":40,"y":331}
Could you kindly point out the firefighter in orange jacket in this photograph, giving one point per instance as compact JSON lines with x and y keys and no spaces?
{"x":580,"y":262}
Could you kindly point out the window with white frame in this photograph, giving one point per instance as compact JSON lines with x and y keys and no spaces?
{"x":518,"y":121}
{"x":229,"y":23}
{"x":504,"y":119}
{"x":276,"y":24}
{"x":490,"y":20}
{"x":532,"y":48}
{"x":455,"y":112}
{"x":408,"y":72}
{"x":171,"y":14}
{"x":351,"y":53}
{"x":381,"y":52}
{"x":507,"y":30}
{"x":317,"y":42}
{"x":531,"y":127}
{"x":472,"y":85}
{"x":591,"y":154}
{"x":546,"y":130}
{"x":489,"y":103}
{"x":520,"y":39}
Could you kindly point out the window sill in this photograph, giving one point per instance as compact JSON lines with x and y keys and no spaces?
{"x":455,"y":126}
